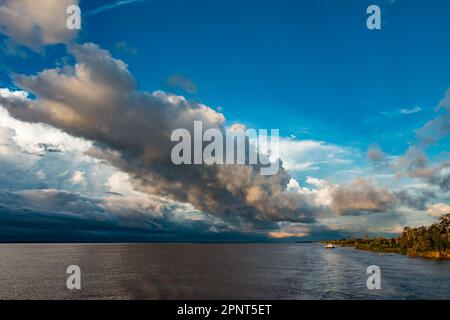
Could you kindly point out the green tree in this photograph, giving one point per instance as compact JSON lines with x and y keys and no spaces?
{"x":444,"y":231}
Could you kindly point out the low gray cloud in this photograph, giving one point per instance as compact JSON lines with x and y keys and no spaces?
{"x":183,"y":82}
{"x":375,"y":154}
{"x":415,"y":164}
{"x":438,"y":175}
{"x":416,"y":201}
{"x":360,"y":197}
{"x":378,"y":158}
{"x":126,"y":48}
{"x":439,"y":127}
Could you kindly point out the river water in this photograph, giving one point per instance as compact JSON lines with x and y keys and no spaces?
{"x":215,"y":271}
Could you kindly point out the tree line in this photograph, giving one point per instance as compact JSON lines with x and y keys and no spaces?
{"x":432,"y":241}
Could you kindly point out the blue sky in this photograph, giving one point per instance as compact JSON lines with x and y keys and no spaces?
{"x":352,"y":105}
{"x":314,"y":61}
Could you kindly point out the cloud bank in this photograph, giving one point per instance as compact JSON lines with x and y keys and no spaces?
{"x":97,"y":100}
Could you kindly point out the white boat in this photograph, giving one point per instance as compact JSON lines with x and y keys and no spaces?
{"x":329,"y":246}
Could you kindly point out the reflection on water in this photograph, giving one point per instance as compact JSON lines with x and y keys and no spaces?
{"x":214,"y":271}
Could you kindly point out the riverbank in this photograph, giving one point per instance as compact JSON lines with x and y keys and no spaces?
{"x":425,"y":242}
{"x":368,"y":245}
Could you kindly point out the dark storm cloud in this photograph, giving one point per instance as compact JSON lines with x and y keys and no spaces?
{"x":49,"y":215}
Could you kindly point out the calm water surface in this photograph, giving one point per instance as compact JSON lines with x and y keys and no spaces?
{"x":214,"y":271}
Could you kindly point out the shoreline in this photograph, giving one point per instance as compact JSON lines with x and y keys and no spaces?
{"x":432,"y":255}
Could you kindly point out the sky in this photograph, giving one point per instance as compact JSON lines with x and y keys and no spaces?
{"x":86,"y":117}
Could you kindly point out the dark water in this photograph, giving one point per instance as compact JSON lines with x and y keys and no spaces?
{"x":214,"y":271}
